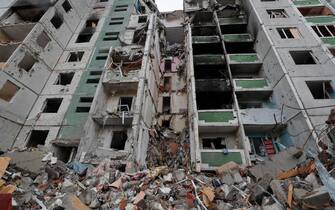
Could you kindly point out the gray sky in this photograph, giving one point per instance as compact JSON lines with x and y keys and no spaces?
{"x":169,"y":5}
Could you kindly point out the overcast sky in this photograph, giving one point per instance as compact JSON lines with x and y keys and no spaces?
{"x":169,"y":5}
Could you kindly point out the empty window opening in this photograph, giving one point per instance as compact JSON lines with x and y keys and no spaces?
{"x":117,"y":19}
{"x":167,"y":84}
{"x":315,"y":11}
{"x":43,"y":40}
{"x":125,"y":104}
{"x":66,"y":6}
{"x":277,"y":13}
{"x":57,"y":21}
{"x":8,"y":91}
{"x":101,"y":57}
{"x":65,"y":154}
{"x":51,"y":105}
{"x":204,"y":31}
{"x":86,"y":99}
{"x":83,"y":109}
{"x":214,"y":143}
{"x":115,"y":23}
{"x":289,"y":33}
{"x":6,"y":52}
{"x":303,"y":57}
{"x":111,"y":36}
{"x":75,"y":56}
{"x":93,"y":81}
{"x":324,"y":30}
{"x":208,"y":48}
{"x":92,"y":22}
{"x":214,"y":100}
{"x":210,"y":71}
{"x":167,"y":65}
{"x":269,"y":0}
{"x":29,"y":11}
{"x":84,"y":37}
{"x":332,"y":51}
{"x":321,"y":89}
{"x":119,"y":140}
{"x":27,"y":62}
{"x":166,"y":123}
{"x":142,"y":19}
{"x":166,"y":104}
{"x":120,"y":10}
{"x":95,"y":73}
{"x":103,"y":0}
{"x":104,"y":51}
{"x":37,"y":137}
{"x":121,"y":6}
{"x":64,"y":78}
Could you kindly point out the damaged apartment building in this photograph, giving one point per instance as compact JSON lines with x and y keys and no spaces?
{"x":238,"y":80}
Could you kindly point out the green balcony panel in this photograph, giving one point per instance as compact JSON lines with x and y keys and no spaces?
{"x":306,"y":2}
{"x":208,"y":59}
{"x":232,"y":21}
{"x":237,"y":38}
{"x":216,"y":117}
{"x":329,"y":40}
{"x":321,"y":19}
{"x":244,"y":58}
{"x":205,"y":39}
{"x":257,"y":83}
{"x":216,"y":159}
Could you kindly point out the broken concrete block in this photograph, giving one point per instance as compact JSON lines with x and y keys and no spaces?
{"x":230,"y":166}
{"x":257,"y":190}
{"x":227,"y":179}
{"x":319,"y":198}
{"x":274,"y":206}
{"x":299,"y":194}
{"x":237,"y":177}
{"x":279,"y":191}
{"x":311,"y":178}
{"x":72,"y":202}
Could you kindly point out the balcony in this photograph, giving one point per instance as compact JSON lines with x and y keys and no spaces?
{"x":215,"y":121}
{"x":114,"y":119}
{"x":239,"y":43}
{"x":208,"y":59}
{"x":304,"y":3}
{"x":260,"y":119}
{"x":115,"y":81}
{"x":256,"y":89}
{"x":210,"y":159}
{"x":205,"y":39}
{"x":244,"y":64}
{"x":233,"y":25}
{"x":330,"y":19}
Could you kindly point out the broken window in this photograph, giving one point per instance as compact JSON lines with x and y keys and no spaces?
{"x":119,"y":139}
{"x":95,"y":73}
{"x":57,"y":21}
{"x":64,"y":78}
{"x":324,"y":30}
{"x":142,"y":19}
{"x":116,"y":21}
{"x":167,"y":84}
{"x":315,"y":11}
{"x":83,"y":109}
{"x":277,"y":13}
{"x":111,"y":36}
{"x":37,"y":137}
{"x":121,"y":8}
{"x":27,"y":62}
{"x":166,"y":104}
{"x":125,"y":104}
{"x":321,"y":89}
{"x":43,"y":40}
{"x":84,"y":37}
{"x":289,"y":33}
{"x":65,"y":154}
{"x":214,"y":143}
{"x":66,"y":6}
{"x":93,"y":81}
{"x":167,"y":65}
{"x":8,"y":91}
{"x":86,"y":99}
{"x":51,"y":105}
{"x":303,"y":57}
{"x":75,"y":56}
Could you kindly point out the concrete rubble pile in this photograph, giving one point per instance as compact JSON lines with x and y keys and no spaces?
{"x":35,"y":179}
